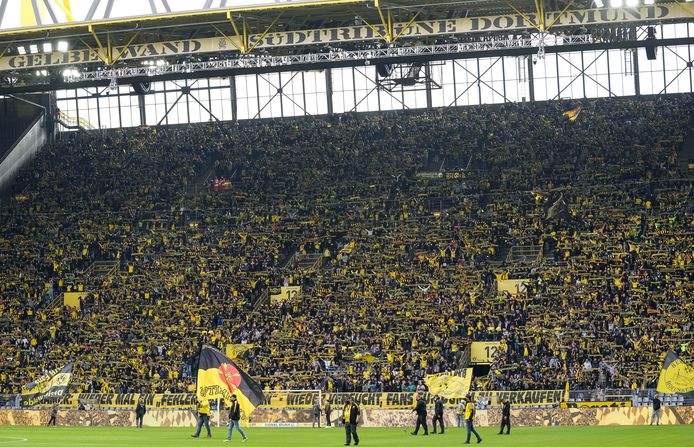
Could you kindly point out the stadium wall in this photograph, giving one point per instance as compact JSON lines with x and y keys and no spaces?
{"x":535,"y":417}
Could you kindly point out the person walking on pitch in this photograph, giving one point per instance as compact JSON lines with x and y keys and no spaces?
{"x":54,"y":415}
{"x":234,"y":417}
{"x":469,"y":417}
{"x":350,"y":416}
{"x":656,"y":410}
{"x":505,"y":418}
{"x":421,"y":410}
{"x":438,"y":413}
{"x":203,"y":418}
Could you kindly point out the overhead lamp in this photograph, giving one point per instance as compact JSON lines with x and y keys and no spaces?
{"x":47,"y":47}
{"x":616,"y":3}
{"x":649,"y":2}
{"x":33,"y":48}
{"x":71,"y":73}
{"x":632,"y":3}
{"x":62,"y":46}
{"x":21,"y":50}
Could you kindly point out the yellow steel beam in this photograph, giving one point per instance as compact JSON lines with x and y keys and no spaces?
{"x":124,"y":49}
{"x":65,"y":6}
{"x":525,"y":16}
{"x":2,"y":53}
{"x":244,"y":36}
{"x":110,"y":53}
{"x":384,"y":22}
{"x":177,"y":15}
{"x":373,"y":28}
{"x":540,"y":8}
{"x":560,"y":14}
{"x":102,"y":53}
{"x":390,"y":26}
{"x":229,"y":39}
{"x":262,"y":36}
{"x":98,"y":53}
{"x":407,"y":25}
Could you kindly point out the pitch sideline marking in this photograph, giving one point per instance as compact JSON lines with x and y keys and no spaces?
{"x":12,"y":439}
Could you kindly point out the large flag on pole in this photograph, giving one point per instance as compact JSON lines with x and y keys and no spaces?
{"x":220,"y":378}
{"x":676,"y":376}
{"x":49,"y":388}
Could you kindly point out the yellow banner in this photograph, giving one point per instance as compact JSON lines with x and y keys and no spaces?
{"x":233,"y":351}
{"x":419,"y":29}
{"x":281,"y":400}
{"x":483,"y":351}
{"x":454,"y":384}
{"x":406,"y":400}
{"x":676,"y":376}
{"x":521,"y":398}
{"x":129,"y":400}
{"x":285,"y":293}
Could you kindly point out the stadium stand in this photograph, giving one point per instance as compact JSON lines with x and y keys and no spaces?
{"x":395,"y":227}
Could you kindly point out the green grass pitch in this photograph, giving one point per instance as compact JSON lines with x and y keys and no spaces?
{"x":632,"y":436}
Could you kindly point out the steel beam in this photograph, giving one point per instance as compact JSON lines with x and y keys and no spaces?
{"x":51,"y":13}
{"x":92,"y":10}
{"x":109,"y":8}
{"x":250,"y":65}
{"x":37,"y":13}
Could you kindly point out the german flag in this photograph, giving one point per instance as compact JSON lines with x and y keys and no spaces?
{"x":220,"y":378}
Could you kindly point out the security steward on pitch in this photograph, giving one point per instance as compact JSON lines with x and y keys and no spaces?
{"x":350,"y":416}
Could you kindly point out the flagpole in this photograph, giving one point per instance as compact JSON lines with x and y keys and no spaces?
{"x":218,"y":410}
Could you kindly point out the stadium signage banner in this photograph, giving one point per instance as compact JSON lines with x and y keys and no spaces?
{"x":509,"y":22}
{"x":282,"y":400}
{"x":522,"y":398}
{"x":129,"y":400}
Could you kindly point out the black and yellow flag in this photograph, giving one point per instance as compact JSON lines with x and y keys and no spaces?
{"x":220,"y":378}
{"x":49,"y":388}
{"x":450,"y":385}
{"x":235,"y":351}
{"x":676,"y":376}
{"x":572,"y":115}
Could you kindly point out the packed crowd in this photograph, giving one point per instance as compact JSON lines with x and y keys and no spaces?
{"x":396,"y":257}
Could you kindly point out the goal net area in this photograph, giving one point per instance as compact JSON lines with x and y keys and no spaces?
{"x":294,"y":408}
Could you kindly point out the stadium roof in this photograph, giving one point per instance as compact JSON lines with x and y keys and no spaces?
{"x":42,"y":45}
{"x":285,"y":16}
